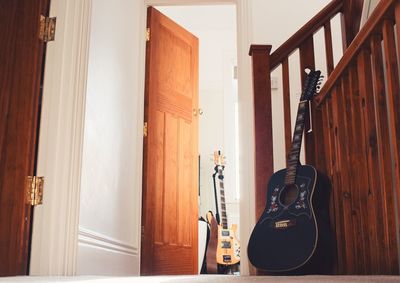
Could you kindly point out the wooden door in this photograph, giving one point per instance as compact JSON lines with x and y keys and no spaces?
{"x":21,"y":59}
{"x":170,"y":178}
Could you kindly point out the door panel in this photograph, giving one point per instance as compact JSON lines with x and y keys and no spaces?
{"x":21,"y":59}
{"x":170,"y":183}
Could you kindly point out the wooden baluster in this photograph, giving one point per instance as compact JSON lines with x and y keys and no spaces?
{"x":286,"y":107}
{"x":385,"y":159}
{"x":346,"y":168}
{"x":342,"y":177}
{"x":264,"y":163}
{"x":371,"y":159}
{"x":393,"y":96}
{"x":351,"y":18}
{"x":307,"y":60}
{"x":336,"y":223}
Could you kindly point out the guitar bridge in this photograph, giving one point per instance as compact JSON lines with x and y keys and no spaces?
{"x":227,"y":258}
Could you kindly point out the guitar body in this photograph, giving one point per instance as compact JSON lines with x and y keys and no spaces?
{"x":293,"y":233}
{"x":211,"y":252}
{"x":228,"y":248}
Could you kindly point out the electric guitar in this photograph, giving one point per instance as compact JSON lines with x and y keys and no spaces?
{"x":228,"y":248}
{"x":211,"y":253}
{"x":293,"y":232}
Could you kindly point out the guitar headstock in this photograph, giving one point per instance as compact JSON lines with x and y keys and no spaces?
{"x":311,"y":84}
{"x":219,"y":159}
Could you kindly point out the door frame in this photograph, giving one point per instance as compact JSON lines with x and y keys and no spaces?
{"x":56,"y":223}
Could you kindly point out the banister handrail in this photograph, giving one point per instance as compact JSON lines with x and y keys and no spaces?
{"x":312,"y":26}
{"x":371,"y":24}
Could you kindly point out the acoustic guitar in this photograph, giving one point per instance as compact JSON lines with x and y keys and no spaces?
{"x":228,"y":248}
{"x":293,"y":233}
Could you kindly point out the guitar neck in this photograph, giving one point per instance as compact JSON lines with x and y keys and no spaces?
{"x":294,"y":155}
{"x":224,"y":219}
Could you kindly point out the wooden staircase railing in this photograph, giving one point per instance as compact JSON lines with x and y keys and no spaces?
{"x":360,"y":102}
{"x":356,"y":132}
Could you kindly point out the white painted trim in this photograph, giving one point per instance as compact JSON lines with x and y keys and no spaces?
{"x":97,"y":240}
{"x":246,"y":130}
{"x":55,"y":225}
{"x":246,"y":114}
{"x":187,"y":2}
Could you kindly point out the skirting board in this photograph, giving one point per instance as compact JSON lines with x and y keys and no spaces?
{"x":96,"y":250}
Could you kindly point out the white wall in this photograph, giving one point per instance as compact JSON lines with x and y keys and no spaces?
{"x":109,"y":221}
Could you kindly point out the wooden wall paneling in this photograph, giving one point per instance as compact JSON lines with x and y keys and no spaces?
{"x":349,"y":128}
{"x":328,"y":48}
{"x":264,"y":163}
{"x":397,"y":21}
{"x":385,"y":159}
{"x":393,"y":99}
{"x":307,"y":60}
{"x":351,"y":18}
{"x":343,"y":176}
{"x":337,"y":187}
{"x":359,"y":174}
{"x":286,"y":106}
{"x":351,"y":143}
{"x":374,"y":202}
{"x":333,"y":210}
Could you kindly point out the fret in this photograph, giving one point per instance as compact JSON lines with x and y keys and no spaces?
{"x":293,"y":158}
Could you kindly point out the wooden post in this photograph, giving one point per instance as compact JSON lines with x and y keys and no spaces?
{"x":264,"y":162}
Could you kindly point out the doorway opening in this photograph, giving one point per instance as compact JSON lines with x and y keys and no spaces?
{"x":215,"y":27}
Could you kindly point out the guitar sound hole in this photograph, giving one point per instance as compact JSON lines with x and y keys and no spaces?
{"x":289,"y":194}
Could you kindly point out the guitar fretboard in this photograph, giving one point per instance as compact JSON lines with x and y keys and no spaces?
{"x":294,"y":155}
{"x":224,"y":219}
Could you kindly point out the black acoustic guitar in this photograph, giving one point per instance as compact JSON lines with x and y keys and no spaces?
{"x":293,"y":235}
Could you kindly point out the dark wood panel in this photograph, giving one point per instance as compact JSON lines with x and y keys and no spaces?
{"x":374,"y":206}
{"x":393,"y":103}
{"x":264,"y":162}
{"x":359,"y":200}
{"x":21,"y":57}
{"x":286,"y":106}
{"x":385,"y":160}
{"x":329,"y":151}
{"x":351,"y":18}
{"x":335,"y":194}
{"x":307,"y":60}
{"x":342,"y":177}
{"x":349,"y":86}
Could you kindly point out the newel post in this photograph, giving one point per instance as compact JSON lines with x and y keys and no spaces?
{"x":264,"y":162}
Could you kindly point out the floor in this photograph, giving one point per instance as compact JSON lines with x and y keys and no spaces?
{"x":205,"y":278}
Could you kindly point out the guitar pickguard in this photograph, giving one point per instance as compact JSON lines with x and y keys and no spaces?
{"x":301,"y":206}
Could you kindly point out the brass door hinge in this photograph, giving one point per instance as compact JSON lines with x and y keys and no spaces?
{"x":145,"y":129}
{"x":47,"y":28}
{"x":147,"y":34}
{"x":34,"y":189}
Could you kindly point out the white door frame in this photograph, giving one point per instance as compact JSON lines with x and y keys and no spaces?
{"x":55,"y":227}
